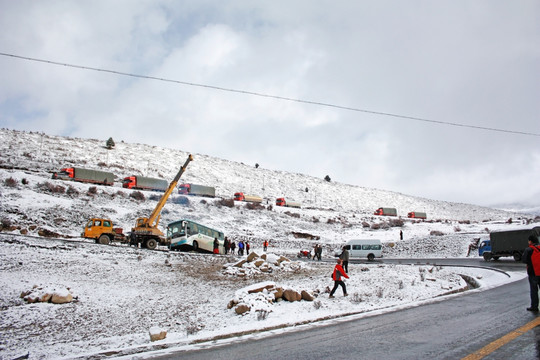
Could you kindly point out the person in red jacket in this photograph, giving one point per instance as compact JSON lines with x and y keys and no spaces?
{"x":337,"y":275}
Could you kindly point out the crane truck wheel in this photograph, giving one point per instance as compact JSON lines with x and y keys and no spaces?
{"x":517,"y":256}
{"x":487,"y":256}
{"x":151,"y":244}
{"x":104,"y":240}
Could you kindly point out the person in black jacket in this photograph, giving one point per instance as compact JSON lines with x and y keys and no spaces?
{"x":534,"y":284}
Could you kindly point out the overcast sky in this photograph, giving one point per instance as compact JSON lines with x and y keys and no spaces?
{"x":475,"y":63}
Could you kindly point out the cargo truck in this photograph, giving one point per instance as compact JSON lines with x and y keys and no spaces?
{"x":287,"y":203}
{"x":506,"y":243}
{"x":102,"y":231}
{"x":85,"y":176}
{"x":239,"y":196}
{"x":417,"y":215}
{"x":197,"y":190}
{"x":386,"y":211}
{"x":144,"y":183}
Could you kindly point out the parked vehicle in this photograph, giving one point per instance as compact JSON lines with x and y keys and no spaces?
{"x":144,"y":183}
{"x":188,"y":235}
{"x":85,"y":176}
{"x":239,"y":196}
{"x":146,"y":230}
{"x":304,"y":253}
{"x":282,"y":202}
{"x":102,"y":231}
{"x":360,"y":248}
{"x":197,"y":190}
{"x":417,"y":215}
{"x":386,"y":211}
{"x":506,"y":243}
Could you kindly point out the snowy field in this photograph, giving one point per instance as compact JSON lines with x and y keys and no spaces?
{"x":122,"y":294}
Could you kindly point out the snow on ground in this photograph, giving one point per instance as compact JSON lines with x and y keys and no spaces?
{"x":123,"y":294}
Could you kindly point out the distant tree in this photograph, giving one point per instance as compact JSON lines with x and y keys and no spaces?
{"x":256,"y":165}
{"x":327,"y":178}
{"x":110,"y":143}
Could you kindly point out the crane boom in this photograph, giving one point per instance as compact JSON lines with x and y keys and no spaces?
{"x":161,"y":203}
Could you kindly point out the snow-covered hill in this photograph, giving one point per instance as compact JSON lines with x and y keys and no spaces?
{"x":331,"y":212}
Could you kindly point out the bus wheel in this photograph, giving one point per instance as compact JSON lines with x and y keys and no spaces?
{"x":195,"y":246}
{"x":151,"y":244}
{"x":370,"y":257}
{"x":104,"y":240}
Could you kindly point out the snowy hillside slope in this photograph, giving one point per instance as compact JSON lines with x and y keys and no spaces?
{"x":331,"y":212}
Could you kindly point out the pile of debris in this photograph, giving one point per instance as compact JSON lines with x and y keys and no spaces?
{"x":266,"y":263}
{"x":43,"y":294}
{"x":260,"y":297}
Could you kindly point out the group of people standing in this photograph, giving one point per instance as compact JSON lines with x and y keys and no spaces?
{"x":243,"y":246}
{"x":317,"y":252}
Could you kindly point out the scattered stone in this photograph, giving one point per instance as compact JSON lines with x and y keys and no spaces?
{"x":242,"y":309}
{"x":157,"y":333}
{"x":307,"y":296}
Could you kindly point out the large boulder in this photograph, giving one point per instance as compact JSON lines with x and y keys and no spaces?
{"x":252,"y":256}
{"x":292,"y":295}
{"x":61,"y":297}
{"x":242,"y":309}
{"x":157,"y":333}
{"x":307,"y":296}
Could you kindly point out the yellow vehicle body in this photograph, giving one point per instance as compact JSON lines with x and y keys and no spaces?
{"x":102,"y":231}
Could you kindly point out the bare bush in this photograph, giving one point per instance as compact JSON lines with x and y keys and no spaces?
{"x":317,"y":304}
{"x":48,"y":187}
{"x":10,"y":182}
{"x":315,"y":220}
{"x":24,"y":181}
{"x":137,"y":195}
{"x":356,"y":298}
{"x":154,"y":197}
{"x":436,"y":233}
{"x":254,"y":206}
{"x":71,"y":191}
{"x":181,"y":200}
{"x":396,"y":223}
{"x":262,"y":314}
{"x":375,"y":226}
{"x":227,"y":202}
{"x":5,"y":222}
{"x":457,"y":229}
{"x":294,"y":215}
{"x":365,"y":224}
{"x":92,"y":190}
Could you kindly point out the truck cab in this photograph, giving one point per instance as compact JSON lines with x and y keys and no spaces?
{"x":102,"y":231}
{"x":484,"y":247}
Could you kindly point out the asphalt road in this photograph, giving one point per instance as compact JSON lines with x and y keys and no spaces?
{"x":451,"y":329}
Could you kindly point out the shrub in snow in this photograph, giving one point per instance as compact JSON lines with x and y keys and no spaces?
{"x":227,"y":202}
{"x":92,"y":190}
{"x":48,"y":187}
{"x":137,"y":195}
{"x":436,"y":233}
{"x":181,"y":200}
{"x":10,"y":182}
{"x":71,"y":191}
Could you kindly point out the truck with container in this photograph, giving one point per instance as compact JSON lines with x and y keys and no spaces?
{"x":85,"y":175}
{"x":102,"y":231}
{"x":197,"y":190}
{"x":417,"y":215}
{"x":386,"y":211}
{"x":240,"y":196}
{"x":144,"y":183}
{"x":506,"y":243}
{"x":287,"y":203}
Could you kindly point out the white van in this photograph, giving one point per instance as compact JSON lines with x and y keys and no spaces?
{"x":369,"y":249}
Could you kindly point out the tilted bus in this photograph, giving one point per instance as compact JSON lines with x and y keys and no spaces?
{"x":188,"y":235}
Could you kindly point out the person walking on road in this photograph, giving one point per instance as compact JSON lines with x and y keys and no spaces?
{"x":345,"y":258}
{"x":337,"y":275}
{"x":534,"y":284}
{"x":216,"y":246}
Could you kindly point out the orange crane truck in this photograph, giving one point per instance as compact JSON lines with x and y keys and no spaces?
{"x":146,"y":230}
